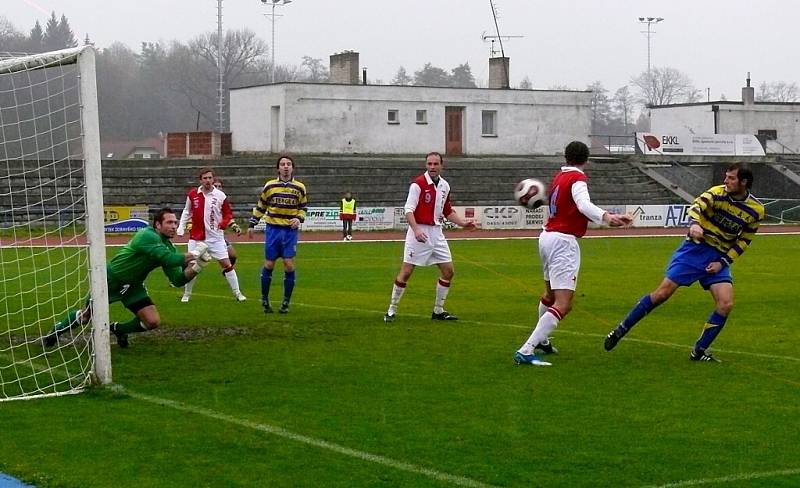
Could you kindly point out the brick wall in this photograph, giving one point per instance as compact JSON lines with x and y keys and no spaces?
{"x":176,"y":144}
{"x":201,"y":144}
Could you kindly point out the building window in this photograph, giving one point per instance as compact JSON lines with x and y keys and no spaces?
{"x":393,"y":116}
{"x":138,"y":156}
{"x":768,"y":134}
{"x":422,"y":116}
{"x":489,"y":123}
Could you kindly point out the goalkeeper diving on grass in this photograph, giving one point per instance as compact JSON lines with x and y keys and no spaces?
{"x":149,"y":249}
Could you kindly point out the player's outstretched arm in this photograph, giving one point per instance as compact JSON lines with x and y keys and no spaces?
{"x":461,"y":222}
{"x":617,"y":220}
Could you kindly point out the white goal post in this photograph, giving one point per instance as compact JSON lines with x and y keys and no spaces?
{"x":52,"y":241}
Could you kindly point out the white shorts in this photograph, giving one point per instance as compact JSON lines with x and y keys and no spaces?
{"x":561,"y":259}
{"x":217,"y":248}
{"x":433,"y":251}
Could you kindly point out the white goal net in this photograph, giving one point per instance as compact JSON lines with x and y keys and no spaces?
{"x":52,"y":247}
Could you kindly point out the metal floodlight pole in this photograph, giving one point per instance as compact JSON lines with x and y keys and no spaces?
{"x":220,"y":78}
{"x":649,"y":21}
{"x":274,"y":3}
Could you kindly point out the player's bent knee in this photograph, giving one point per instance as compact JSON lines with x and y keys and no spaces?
{"x":227,"y":269}
{"x":725,"y":307}
{"x":151,"y":324}
{"x":661,"y":295}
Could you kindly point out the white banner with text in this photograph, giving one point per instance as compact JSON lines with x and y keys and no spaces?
{"x":648,"y":143}
{"x":497,"y":217}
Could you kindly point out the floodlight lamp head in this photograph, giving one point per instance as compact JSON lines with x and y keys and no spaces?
{"x":659,"y":19}
{"x":641,"y":19}
{"x":650,"y":19}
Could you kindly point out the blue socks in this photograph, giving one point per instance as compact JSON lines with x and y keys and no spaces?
{"x":266,"y":280}
{"x":710,"y":331}
{"x":637,"y":313}
{"x":288,"y":285}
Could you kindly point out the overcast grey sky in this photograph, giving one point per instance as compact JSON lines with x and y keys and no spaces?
{"x":566,"y":42}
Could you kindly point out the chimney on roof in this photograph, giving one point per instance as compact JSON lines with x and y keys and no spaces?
{"x":499,"y":72}
{"x":748,"y":93}
{"x":344,"y":68}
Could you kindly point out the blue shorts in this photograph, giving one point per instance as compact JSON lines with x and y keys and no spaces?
{"x":688,"y":264}
{"x":280,"y":242}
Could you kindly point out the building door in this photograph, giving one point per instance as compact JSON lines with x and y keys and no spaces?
{"x":453,"y":120}
{"x":275,"y":129}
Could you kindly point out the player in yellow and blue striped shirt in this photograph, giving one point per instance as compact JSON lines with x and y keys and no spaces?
{"x":724,"y":220}
{"x":282,"y":203}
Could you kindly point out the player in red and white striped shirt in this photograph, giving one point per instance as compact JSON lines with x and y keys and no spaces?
{"x":427,"y":205}
{"x":209,"y":211}
{"x":571,"y":209}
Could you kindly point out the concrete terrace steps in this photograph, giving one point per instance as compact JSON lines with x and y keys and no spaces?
{"x":376,"y":181}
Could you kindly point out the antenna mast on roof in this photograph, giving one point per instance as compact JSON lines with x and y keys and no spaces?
{"x":499,"y":38}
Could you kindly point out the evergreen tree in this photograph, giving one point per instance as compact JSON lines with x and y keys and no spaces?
{"x":462,"y":76}
{"x":51,"y":34}
{"x":431,"y":75}
{"x":58,"y":34}
{"x":65,"y":32}
{"x":36,"y":39}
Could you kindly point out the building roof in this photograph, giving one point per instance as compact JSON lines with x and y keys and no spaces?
{"x":722,"y":102}
{"x":255,"y":85}
{"x":119,"y":149}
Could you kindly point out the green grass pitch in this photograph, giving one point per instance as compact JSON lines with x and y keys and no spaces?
{"x":329,"y":395}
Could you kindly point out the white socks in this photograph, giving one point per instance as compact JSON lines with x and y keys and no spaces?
{"x":187,"y":288}
{"x":233,"y":281}
{"x":546,"y":325}
{"x":397,"y":294}
{"x":442,"y":288}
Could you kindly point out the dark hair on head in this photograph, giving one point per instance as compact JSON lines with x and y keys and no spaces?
{"x":576,"y":152}
{"x":434,"y":153}
{"x":743,"y":172}
{"x":204,"y":170}
{"x":159,"y":216}
{"x":217,"y":179}
{"x":284,"y":156}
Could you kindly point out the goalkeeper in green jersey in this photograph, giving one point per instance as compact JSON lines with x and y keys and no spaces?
{"x":149,"y":249}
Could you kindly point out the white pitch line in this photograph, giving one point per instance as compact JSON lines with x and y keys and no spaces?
{"x":557,"y":331}
{"x":725,"y":479}
{"x":449,"y":238}
{"x":526,"y":327}
{"x":304,"y":439}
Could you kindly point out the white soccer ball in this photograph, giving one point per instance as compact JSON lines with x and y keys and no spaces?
{"x":530,"y":193}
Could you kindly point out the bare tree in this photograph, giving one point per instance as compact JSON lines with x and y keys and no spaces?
{"x":622,"y":104}
{"x":601,"y":109}
{"x":525,"y":84}
{"x":194,"y":73}
{"x":240,"y":50}
{"x":317,"y":71}
{"x":664,"y":86}
{"x":11,"y":40}
{"x":401,"y":77}
{"x":777,"y":91}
